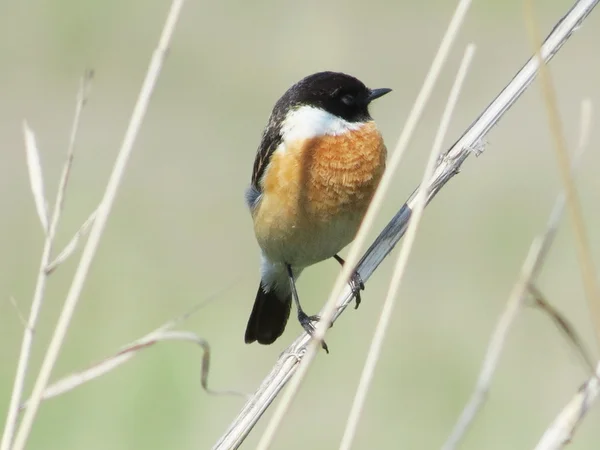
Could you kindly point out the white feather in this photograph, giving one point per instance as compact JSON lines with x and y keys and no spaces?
{"x":308,"y":122}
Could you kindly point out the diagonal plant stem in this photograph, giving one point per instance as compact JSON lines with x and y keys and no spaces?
{"x":329,"y":309}
{"x":71,"y":245}
{"x":538,"y":251}
{"x":470,"y":142}
{"x":40,"y":286}
{"x":538,"y":300}
{"x":586,"y":264}
{"x":82,"y":97}
{"x":403,"y":255}
{"x":103,"y":212}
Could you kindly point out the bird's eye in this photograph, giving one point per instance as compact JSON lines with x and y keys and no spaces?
{"x":348,"y":99}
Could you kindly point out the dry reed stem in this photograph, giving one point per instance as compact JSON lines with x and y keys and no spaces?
{"x":538,"y":251}
{"x":103,"y":212}
{"x":35,"y":173}
{"x":560,"y":432}
{"x":330,"y":306}
{"x":402,"y":260}
{"x":470,"y":142}
{"x":586,"y":264}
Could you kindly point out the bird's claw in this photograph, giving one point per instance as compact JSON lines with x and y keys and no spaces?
{"x":307,"y":324}
{"x":357,"y":285}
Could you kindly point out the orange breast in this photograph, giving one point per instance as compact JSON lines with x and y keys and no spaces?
{"x":313,"y":182}
{"x":341,"y":173}
{"x":327,"y":175}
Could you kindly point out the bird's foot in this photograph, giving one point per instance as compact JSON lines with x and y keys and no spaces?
{"x":357,"y":285}
{"x":308,"y":325}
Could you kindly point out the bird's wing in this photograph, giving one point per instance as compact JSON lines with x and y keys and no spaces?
{"x":271,"y":139}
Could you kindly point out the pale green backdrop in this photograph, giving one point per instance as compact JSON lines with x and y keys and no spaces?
{"x":180,"y":232}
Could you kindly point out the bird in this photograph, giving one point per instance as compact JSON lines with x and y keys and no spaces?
{"x":318,"y":164}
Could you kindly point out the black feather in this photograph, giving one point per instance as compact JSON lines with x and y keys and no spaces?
{"x":268,"y":318}
{"x":334,"y":92}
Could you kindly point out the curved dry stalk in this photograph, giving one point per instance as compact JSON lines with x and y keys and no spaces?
{"x":104,"y":209}
{"x":194,"y":338}
{"x":471,"y":141}
{"x":402,"y":260}
{"x":538,"y":251}
{"x":584,"y":257}
{"x":97,"y":370}
{"x":128,"y":351}
{"x":35,"y":173}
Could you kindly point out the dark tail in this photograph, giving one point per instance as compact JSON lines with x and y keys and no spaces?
{"x":268,"y":318}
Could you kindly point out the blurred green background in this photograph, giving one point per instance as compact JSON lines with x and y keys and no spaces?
{"x":180,"y":232}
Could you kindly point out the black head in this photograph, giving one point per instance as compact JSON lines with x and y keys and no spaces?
{"x":334,"y":92}
{"x":337,"y":93}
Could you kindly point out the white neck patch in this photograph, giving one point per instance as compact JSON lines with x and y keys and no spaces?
{"x":309,"y":122}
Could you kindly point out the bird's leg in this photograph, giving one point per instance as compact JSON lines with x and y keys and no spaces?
{"x":356,"y":283}
{"x":305,"y":320}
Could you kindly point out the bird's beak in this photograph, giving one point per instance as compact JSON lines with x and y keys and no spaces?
{"x":376,"y":93}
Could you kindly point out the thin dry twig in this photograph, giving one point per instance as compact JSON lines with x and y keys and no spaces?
{"x":40,"y":287}
{"x":402,"y":260}
{"x":194,"y":338}
{"x":125,"y":354}
{"x":20,"y":314}
{"x":586,"y":264}
{"x":561,"y":431}
{"x":563,"y":325}
{"x":538,"y":251}
{"x":72,"y":245}
{"x":85,"y":87}
{"x":330,"y":307}
{"x":470,"y":142}
{"x":128,"y":351}
{"x":104,"y":209}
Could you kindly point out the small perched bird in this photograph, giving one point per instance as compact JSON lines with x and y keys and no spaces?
{"x":318,"y":164}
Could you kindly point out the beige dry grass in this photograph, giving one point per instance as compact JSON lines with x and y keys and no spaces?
{"x":178,"y":231}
